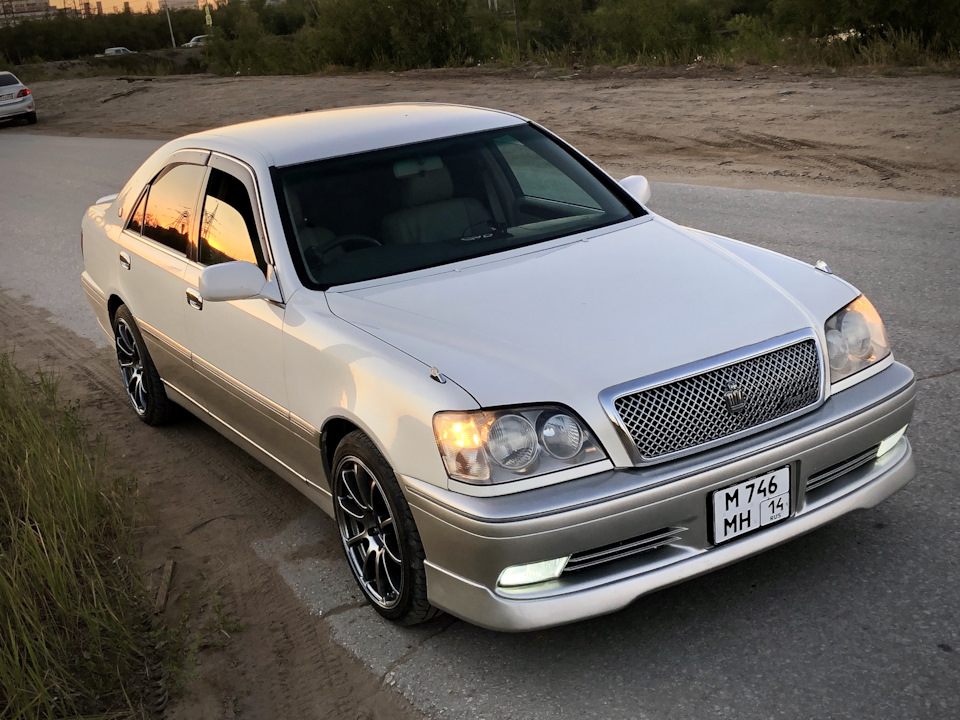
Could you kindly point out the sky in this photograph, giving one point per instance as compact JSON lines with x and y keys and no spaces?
{"x":117,"y":5}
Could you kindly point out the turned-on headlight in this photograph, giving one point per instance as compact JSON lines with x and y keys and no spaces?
{"x":855,"y":339}
{"x":485,"y":447}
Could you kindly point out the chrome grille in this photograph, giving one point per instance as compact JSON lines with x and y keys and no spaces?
{"x":683,"y":415}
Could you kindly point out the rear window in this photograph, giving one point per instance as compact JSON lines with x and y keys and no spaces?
{"x":8,"y":79}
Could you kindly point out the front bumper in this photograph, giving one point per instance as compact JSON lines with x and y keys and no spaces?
{"x":469,"y":541}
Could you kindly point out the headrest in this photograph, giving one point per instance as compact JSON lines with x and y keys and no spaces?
{"x":296,"y":209}
{"x":415,"y":166}
{"x":427,"y":187}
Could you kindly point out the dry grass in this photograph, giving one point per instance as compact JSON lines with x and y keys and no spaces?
{"x":73,"y":631}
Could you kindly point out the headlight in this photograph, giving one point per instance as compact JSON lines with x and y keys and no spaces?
{"x":855,"y":339}
{"x":486,"y":447}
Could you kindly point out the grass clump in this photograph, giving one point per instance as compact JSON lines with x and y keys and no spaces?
{"x":73,"y":630}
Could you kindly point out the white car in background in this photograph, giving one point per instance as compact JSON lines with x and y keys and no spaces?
{"x":524,"y":398}
{"x":197,"y":41}
{"x":16,"y":100}
{"x":114,"y":51}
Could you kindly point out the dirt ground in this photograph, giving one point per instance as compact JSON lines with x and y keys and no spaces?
{"x":771,"y":128}
{"x":256,"y":651}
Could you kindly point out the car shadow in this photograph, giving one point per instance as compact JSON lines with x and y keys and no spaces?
{"x":13,"y":122}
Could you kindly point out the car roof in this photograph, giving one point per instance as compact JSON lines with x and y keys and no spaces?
{"x":305,"y":137}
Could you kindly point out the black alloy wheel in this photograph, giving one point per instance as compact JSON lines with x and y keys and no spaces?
{"x":140,"y":378}
{"x":378,"y":534}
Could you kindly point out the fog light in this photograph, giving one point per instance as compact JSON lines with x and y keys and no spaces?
{"x":888,"y":444}
{"x":532,"y":573}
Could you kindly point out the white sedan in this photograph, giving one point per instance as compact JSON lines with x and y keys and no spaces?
{"x":524,"y":398}
{"x":16,"y":100}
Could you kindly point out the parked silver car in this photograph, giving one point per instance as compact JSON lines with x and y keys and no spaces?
{"x":16,"y":100}
{"x":525,"y":398}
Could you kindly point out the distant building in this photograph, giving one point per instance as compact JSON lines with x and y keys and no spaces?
{"x":179,"y":4}
{"x":16,"y":11}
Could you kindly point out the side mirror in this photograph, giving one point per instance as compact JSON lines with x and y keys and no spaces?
{"x":638,"y":187}
{"x":236,"y":280}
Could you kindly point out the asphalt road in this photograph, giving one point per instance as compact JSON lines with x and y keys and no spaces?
{"x":860,"y":619}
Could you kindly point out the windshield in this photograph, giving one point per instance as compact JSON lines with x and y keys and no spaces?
{"x":392,"y":211}
{"x":8,"y":79}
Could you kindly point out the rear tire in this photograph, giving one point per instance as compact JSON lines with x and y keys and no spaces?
{"x":32,"y":117}
{"x":139,"y":375}
{"x":378,"y":533}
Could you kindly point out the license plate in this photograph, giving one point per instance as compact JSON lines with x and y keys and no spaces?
{"x":8,"y":96}
{"x":751,"y":505}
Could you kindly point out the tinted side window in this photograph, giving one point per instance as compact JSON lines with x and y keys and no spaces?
{"x":228,"y":230}
{"x":170,"y":206}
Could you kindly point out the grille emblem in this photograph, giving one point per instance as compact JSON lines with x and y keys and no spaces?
{"x":734,"y":398}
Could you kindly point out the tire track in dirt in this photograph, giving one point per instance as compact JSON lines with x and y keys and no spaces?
{"x":763,"y":141}
{"x":205,"y":502}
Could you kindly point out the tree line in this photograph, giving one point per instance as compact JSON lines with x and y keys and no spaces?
{"x":302,"y":36}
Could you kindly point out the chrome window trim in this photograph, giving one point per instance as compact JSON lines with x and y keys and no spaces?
{"x":609,"y":396}
{"x":176,"y":254}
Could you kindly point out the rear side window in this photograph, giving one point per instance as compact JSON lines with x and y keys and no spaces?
{"x":228,"y":230}
{"x":170,"y":206}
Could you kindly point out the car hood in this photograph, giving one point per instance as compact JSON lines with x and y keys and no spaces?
{"x":561,"y":323}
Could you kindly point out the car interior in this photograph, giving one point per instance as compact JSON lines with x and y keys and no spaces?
{"x":399,"y":209}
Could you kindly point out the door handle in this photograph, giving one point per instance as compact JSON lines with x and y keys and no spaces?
{"x":194,"y":300}
{"x":124,"y":260}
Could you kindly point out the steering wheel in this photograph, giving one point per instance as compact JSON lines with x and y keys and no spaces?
{"x":484,"y":230}
{"x":360,"y":241}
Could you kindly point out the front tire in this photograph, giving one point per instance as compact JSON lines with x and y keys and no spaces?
{"x":139,"y":375}
{"x":377,"y":531}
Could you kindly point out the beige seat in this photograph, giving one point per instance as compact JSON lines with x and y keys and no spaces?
{"x":430,"y":211}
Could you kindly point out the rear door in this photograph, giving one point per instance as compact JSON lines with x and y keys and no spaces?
{"x":152,"y":255}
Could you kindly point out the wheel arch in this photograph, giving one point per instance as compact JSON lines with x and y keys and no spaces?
{"x":334,"y":431}
{"x":113,"y":303}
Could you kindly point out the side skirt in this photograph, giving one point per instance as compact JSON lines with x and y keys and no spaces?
{"x":318,"y":495}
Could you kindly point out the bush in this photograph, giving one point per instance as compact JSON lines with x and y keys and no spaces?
{"x":303,"y":36}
